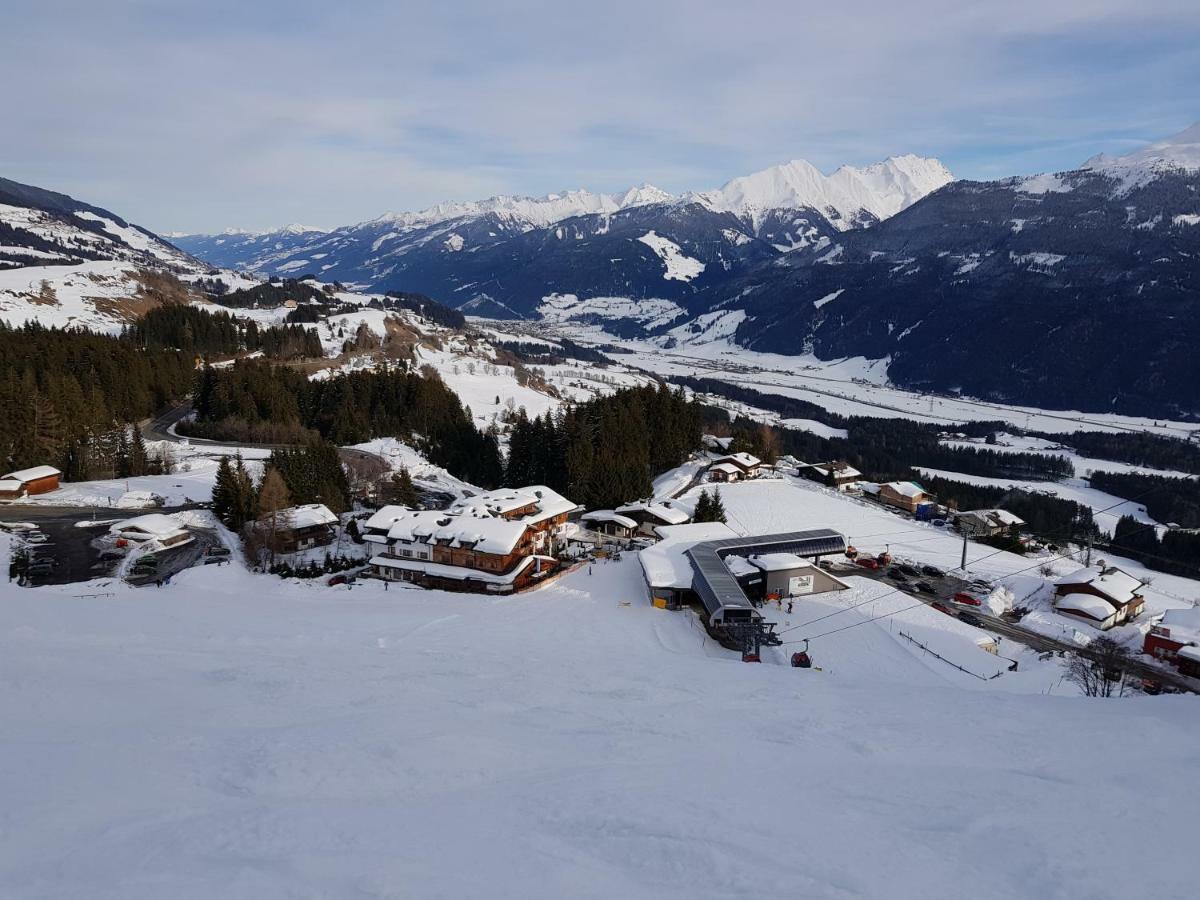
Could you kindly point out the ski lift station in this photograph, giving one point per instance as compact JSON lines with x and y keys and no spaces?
{"x":728,"y":574}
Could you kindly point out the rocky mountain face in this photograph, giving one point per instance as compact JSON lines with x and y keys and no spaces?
{"x":506,"y":254}
{"x":1073,"y":290}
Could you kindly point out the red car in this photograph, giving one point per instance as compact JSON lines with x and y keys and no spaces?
{"x":967,"y":599}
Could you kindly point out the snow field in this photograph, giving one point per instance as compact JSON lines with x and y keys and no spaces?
{"x":240,"y":736}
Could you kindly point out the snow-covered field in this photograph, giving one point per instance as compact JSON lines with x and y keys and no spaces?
{"x":852,"y":386}
{"x":238,"y":736}
{"x":1106,"y":508}
{"x":1084,"y":465}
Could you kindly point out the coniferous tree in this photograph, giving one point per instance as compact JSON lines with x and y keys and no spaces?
{"x":224,"y":495}
{"x":704,"y":508}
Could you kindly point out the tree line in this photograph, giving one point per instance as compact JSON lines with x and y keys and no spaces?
{"x":199,"y":332}
{"x":605,"y":451}
{"x":64,"y":393}
{"x":253,"y":401}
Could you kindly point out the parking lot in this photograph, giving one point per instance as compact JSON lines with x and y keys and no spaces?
{"x":68,"y":551}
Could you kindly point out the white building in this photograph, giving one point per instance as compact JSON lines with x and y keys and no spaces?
{"x":156,"y":527}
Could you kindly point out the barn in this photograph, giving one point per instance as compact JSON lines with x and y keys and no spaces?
{"x":28,"y":482}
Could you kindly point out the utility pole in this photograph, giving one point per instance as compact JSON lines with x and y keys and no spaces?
{"x":963,"y":565}
{"x":1088,"y":559}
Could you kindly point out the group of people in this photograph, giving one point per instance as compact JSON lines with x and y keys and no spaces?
{"x":778,"y":598}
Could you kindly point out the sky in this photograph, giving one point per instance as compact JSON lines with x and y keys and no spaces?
{"x":189,"y":116}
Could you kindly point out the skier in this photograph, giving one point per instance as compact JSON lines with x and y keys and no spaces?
{"x":789,"y":607}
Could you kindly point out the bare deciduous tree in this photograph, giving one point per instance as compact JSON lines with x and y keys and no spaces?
{"x":1102,"y":672}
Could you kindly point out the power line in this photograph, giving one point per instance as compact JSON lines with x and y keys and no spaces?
{"x":1036,"y":565}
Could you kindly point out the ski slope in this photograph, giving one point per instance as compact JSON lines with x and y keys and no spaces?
{"x":238,"y":736}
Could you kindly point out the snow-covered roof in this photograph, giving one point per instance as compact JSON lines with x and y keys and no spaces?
{"x":1115,"y":584}
{"x":671,"y":515}
{"x":1184,"y":624}
{"x":779,"y":562}
{"x":457,"y":573}
{"x":739,"y":566}
{"x":501,"y":502}
{"x":1000,"y":517}
{"x":608,"y":515}
{"x":386,"y":516}
{"x":744,"y":460}
{"x":839,"y":469}
{"x":906,"y":488}
{"x":720,"y":443}
{"x":1089,"y":604}
{"x":869,"y":487}
{"x":32,"y":474}
{"x":664,"y":563}
{"x":156,"y":525}
{"x":10,"y":485}
{"x":728,"y":468}
{"x":311,"y":515}
{"x":487,"y":534}
{"x":1191,"y":652}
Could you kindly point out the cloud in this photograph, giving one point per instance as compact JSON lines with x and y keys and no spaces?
{"x":202,"y":115}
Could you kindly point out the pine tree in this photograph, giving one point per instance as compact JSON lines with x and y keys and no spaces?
{"x":704,"y":508}
{"x":138,"y":458}
{"x":224,"y":498}
{"x":404,"y":491}
{"x":718,"y":508}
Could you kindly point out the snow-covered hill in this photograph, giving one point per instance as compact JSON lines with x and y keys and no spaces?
{"x":65,"y":262}
{"x":239,"y":736}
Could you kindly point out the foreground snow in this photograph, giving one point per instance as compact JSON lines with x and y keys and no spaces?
{"x":237,"y":736}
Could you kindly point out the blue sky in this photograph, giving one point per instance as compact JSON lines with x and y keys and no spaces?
{"x":200,"y":116}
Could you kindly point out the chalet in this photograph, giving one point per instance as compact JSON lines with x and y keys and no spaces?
{"x":496,"y":542}
{"x":304,"y":527}
{"x":651,"y":514}
{"x":724,"y":472}
{"x":717,"y":444}
{"x":835,"y":474}
{"x":905,"y":495}
{"x":988,"y":522}
{"x":1176,"y":639}
{"x":163,"y":530}
{"x":1101,"y":597}
{"x":748,"y":466}
{"x":28,"y":482}
{"x":609,"y":522}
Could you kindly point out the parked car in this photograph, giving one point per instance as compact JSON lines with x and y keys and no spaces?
{"x":967,"y":600}
{"x":926,"y":587}
{"x":218,"y":552}
{"x":932,"y":572}
{"x":36,"y":537}
{"x":895,"y":574}
{"x":939,"y":523}
{"x":970,"y":619}
{"x":908,"y":570}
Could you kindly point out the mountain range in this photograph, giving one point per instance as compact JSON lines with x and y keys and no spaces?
{"x":1074,"y":289}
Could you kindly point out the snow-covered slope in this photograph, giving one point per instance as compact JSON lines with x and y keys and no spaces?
{"x":234,"y":735}
{"x":849,"y":197}
{"x":1178,"y":153}
{"x":532,"y":212}
{"x":40,"y":227}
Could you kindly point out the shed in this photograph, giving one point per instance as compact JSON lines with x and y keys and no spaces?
{"x":28,"y":482}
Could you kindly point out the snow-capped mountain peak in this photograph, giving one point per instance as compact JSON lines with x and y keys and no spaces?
{"x":536,"y":212}
{"x":881,"y":189}
{"x":1180,"y":151}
